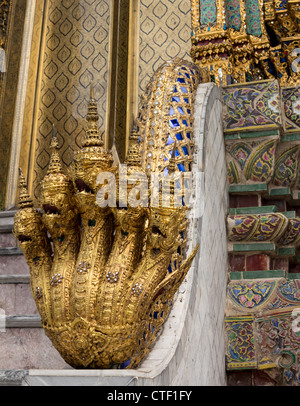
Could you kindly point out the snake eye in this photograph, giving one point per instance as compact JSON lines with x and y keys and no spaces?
{"x":82,"y":186}
{"x":49,"y":209}
{"x":156,"y":230}
{"x":23,"y":238}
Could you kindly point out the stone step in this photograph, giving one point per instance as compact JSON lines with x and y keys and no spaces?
{"x":15,"y":295}
{"x":7,"y":251}
{"x":7,"y":240}
{"x":12,"y":261}
{"x":7,"y":221}
{"x":23,"y":343}
{"x":13,"y":265}
{"x":8,"y":279}
{"x":29,"y":321}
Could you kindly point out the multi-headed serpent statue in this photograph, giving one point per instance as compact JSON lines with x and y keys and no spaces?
{"x":103,"y":278}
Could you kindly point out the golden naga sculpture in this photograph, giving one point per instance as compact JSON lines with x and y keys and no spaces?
{"x":105,"y":280}
{"x":236,"y":41}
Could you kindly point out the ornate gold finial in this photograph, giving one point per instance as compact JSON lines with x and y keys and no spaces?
{"x":172,"y":160}
{"x":168,"y":188}
{"x":55,"y":164}
{"x":24,"y":198}
{"x":133,"y":155}
{"x":55,"y":176}
{"x":92,"y":137}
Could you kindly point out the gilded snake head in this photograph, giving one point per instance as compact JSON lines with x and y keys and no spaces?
{"x":109,"y":266}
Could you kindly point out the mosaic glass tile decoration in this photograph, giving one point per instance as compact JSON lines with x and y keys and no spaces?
{"x":240,"y":343}
{"x":208,"y":12}
{"x":262,"y":327}
{"x":286,"y":167}
{"x":179,"y":125}
{"x":279,"y":343}
{"x":291,"y":102}
{"x":248,"y":106}
{"x":253,"y":17}
{"x":251,"y":294}
{"x":261,"y":227}
{"x":260,"y":165}
{"x":233,"y":14}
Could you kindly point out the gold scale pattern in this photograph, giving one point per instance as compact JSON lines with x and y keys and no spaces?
{"x":105,"y":282}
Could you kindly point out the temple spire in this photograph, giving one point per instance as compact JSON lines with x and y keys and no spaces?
{"x":172,"y":160}
{"x":133,"y":157}
{"x":55,"y":163}
{"x":92,"y":134}
{"x":24,"y":200}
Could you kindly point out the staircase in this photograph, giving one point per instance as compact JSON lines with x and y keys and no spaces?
{"x":23,"y":343}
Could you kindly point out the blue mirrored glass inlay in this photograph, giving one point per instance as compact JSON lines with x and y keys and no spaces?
{"x":180,"y":109}
{"x":185,"y":150}
{"x":166,"y":172}
{"x":187,"y":75}
{"x":170,"y":268}
{"x":185,"y":123}
{"x":180,"y":80}
{"x":188,"y":135}
{"x":181,"y":167}
{"x":170,"y":140}
{"x":175,"y":89}
{"x":179,"y":136}
{"x":171,"y":111}
{"x":176,"y":98}
{"x":176,"y":153}
{"x":189,"y":111}
{"x":125,"y":364}
{"x":186,"y":100}
{"x":174,"y":123}
{"x":184,"y":89}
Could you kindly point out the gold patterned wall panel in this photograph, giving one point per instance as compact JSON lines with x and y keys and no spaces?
{"x":119,"y":77}
{"x":12,"y":16}
{"x":165,"y":33}
{"x":29,"y":128}
{"x":76,"y":52}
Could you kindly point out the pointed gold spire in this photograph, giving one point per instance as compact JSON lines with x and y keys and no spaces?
{"x":172,"y":160}
{"x":92,"y":91}
{"x":169,"y":197}
{"x":24,"y":198}
{"x":55,"y":163}
{"x":133,"y":157}
{"x":92,"y":134}
{"x":55,"y":176}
